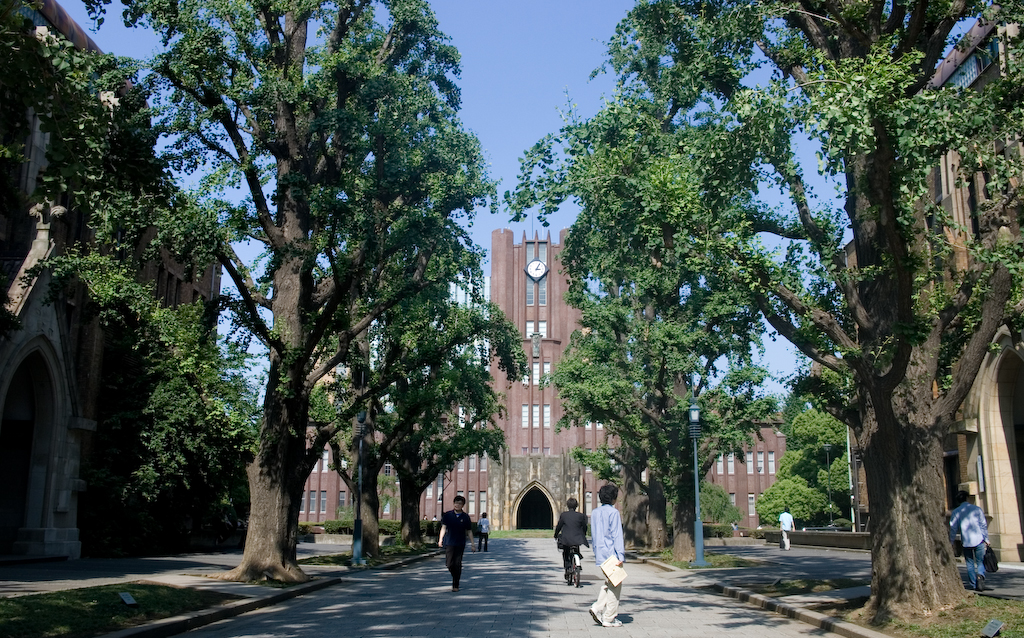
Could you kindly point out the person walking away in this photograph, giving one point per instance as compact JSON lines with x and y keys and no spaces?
{"x":456,"y":527}
{"x":571,"y":531}
{"x":786,"y":525}
{"x":606,"y":530}
{"x":483,"y":528}
{"x":968,"y":520}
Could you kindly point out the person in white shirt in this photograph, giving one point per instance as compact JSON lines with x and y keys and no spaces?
{"x":606,"y":529}
{"x":786,"y":525}
{"x":483,"y":528}
{"x":968,"y":520}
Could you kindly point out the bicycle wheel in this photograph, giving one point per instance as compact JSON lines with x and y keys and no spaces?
{"x":576,"y":576}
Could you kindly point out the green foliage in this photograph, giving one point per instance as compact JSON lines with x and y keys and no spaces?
{"x":715,"y":506}
{"x":717,"y":530}
{"x":805,"y":457}
{"x":805,"y":503}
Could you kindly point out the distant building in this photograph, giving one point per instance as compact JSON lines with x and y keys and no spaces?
{"x":746,"y":476}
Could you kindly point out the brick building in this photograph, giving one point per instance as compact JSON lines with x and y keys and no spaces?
{"x":747,"y":475}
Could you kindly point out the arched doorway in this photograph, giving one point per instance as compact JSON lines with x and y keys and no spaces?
{"x":534,"y":511}
{"x":16,"y":433}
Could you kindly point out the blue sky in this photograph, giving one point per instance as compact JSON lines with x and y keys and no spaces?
{"x":520,"y":61}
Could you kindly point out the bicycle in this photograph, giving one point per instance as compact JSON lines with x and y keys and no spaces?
{"x":574,"y":570}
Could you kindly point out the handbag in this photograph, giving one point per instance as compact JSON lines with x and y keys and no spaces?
{"x":990,"y":561}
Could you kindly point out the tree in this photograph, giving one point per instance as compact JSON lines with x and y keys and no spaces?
{"x":897,"y":334}
{"x":661,"y":327}
{"x":440,"y":404}
{"x":805,"y":503}
{"x":338,"y":122}
{"x":715,"y":506}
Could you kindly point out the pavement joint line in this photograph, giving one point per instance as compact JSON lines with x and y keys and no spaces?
{"x":814,"y":618}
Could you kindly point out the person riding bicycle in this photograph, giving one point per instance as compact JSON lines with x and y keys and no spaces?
{"x":571,"y":532}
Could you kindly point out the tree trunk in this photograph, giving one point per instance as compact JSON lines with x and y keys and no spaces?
{"x":913,"y":564}
{"x":635,"y":508}
{"x":657,"y":528}
{"x":682,"y":532}
{"x":410,"y":498}
{"x":371,"y":524}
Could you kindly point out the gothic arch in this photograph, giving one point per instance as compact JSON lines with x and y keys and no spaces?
{"x":534,"y":507}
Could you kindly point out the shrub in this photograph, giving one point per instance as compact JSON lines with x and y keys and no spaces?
{"x":717,"y":531}
{"x":305,"y":528}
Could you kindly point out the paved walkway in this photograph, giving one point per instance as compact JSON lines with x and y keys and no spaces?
{"x":516,"y":589}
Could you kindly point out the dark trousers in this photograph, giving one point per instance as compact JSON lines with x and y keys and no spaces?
{"x":453,"y":561}
{"x":482,"y":542}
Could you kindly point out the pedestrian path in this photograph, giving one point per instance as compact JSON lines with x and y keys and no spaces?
{"x":516,"y":589}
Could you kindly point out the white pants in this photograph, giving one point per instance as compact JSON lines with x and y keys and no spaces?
{"x":607,"y":605}
{"x":785,"y":539}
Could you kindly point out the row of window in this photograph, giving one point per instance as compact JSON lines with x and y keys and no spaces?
{"x":537,"y":327}
{"x":539,"y":419}
{"x":751,"y":503}
{"x":729,"y":461}
{"x":536,"y":373}
{"x":471,"y":461}
{"x":309,"y":501}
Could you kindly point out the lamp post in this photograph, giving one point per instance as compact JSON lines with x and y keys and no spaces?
{"x":698,"y":525}
{"x":828,"y":461}
{"x":357,"y":530}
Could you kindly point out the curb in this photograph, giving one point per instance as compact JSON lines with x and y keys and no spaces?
{"x":816,"y":619}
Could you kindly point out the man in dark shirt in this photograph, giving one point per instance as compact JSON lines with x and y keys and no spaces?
{"x":456,"y":529}
{"x":571,"y":531}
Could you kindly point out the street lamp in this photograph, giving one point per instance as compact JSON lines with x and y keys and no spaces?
{"x":698,"y":525}
{"x":828,"y":461}
{"x":357,"y":531}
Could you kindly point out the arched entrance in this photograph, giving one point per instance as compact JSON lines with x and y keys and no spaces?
{"x":534,"y":511}
{"x":16,"y":433}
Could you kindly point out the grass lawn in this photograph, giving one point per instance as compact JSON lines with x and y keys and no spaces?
{"x":713,"y":560}
{"x":524,"y":533}
{"x":387,"y":555}
{"x":92,"y":611}
{"x":964,"y":620}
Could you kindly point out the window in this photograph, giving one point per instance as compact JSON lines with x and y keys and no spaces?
{"x":536,"y":415}
{"x":588,"y":503}
{"x":536,"y":373}
{"x":530,"y":328}
{"x":323,"y":501}
{"x":459,"y":493}
{"x":472,"y":463}
{"x":388,"y":468}
{"x":542,"y":297}
{"x":440,"y":488}
{"x":325,"y":461}
{"x":731,"y":464}
{"x":600,"y":426}
{"x":547,"y":369}
{"x":341,"y":498}
{"x":430,"y":490}
{"x":536,"y":450}
{"x":529,"y":291}
{"x":387,"y":507}
{"x":547,"y":415}
{"x":547,"y":451}
{"x":483,"y":501}
{"x":542,"y":326}
{"x":462,"y":417}
{"x":732,"y":498}
{"x":771,"y":461}
{"x":471,"y":503}
{"x":760,"y":462}
{"x":720,"y":465}
{"x":302,"y":503}
{"x":589,"y":425}
{"x":462,"y":465}
{"x":526,"y":415}
{"x":526,"y":451}
{"x":751,"y":510}
{"x":483,"y":468}
{"x":750,"y":463}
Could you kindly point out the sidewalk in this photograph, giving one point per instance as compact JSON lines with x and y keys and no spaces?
{"x":520,"y":578}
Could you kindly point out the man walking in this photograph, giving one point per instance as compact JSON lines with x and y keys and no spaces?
{"x":786,"y":525}
{"x":483,"y":526}
{"x":606,"y":530}
{"x":968,"y":520}
{"x":456,"y":528}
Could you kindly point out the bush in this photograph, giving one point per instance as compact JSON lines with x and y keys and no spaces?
{"x":347,"y":526}
{"x":305,"y":528}
{"x":843,"y":522}
{"x":717,"y":531}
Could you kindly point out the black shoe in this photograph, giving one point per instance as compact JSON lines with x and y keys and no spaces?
{"x":981,"y":584}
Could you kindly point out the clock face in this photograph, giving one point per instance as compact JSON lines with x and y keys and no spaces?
{"x":536,"y":269}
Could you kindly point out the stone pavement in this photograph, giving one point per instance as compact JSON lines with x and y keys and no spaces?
{"x":516,"y":589}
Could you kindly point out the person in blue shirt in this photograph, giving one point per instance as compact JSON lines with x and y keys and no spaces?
{"x":968,"y":520}
{"x":606,"y":532}
{"x":456,"y":527}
